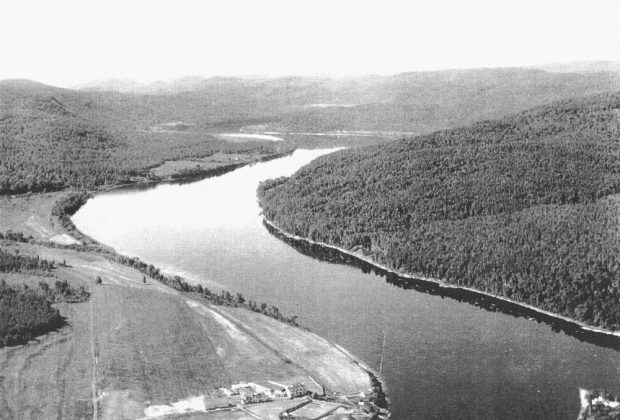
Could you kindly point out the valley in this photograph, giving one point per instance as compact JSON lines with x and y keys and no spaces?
{"x":488,"y":180}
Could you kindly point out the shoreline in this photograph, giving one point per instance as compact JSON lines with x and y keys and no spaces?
{"x":193,"y":176}
{"x":446,"y":286}
{"x":143,"y":183}
{"x":376,"y":381}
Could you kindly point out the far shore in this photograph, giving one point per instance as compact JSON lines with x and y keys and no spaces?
{"x":444,"y":285}
{"x":189,"y":176}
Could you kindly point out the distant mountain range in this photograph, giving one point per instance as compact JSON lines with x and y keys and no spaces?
{"x":582,"y":67}
{"x":194,"y":82}
{"x":415,"y":103}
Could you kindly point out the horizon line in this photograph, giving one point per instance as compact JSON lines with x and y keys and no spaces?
{"x":168,"y":81}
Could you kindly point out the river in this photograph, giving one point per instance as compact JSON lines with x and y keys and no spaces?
{"x":440,"y":357}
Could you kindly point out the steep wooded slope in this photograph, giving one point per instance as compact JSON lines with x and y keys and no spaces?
{"x":522,"y":207}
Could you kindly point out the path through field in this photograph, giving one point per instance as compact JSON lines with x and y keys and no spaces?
{"x":137,"y":344}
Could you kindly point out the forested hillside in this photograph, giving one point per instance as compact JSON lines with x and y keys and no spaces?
{"x":51,"y":138}
{"x":522,"y":207}
{"x":419,"y":102}
{"x":54,"y":138}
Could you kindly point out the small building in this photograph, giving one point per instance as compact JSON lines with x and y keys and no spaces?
{"x":236,"y":400}
{"x":298,"y":390}
{"x":255,"y":398}
{"x":280,"y":392}
{"x":259,"y":388}
{"x":222,"y":392}
{"x":243,"y":389}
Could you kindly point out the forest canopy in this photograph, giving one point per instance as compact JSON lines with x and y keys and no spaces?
{"x":25,"y":314}
{"x":525,"y":207}
{"x":51,"y":139}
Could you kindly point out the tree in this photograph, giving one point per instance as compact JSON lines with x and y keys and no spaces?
{"x":44,"y":286}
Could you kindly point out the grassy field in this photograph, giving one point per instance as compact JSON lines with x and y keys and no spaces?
{"x":320,"y":359}
{"x":50,"y":377}
{"x":217,"y":160}
{"x":267,"y":411}
{"x":136,"y":344}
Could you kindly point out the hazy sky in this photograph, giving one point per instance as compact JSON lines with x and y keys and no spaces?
{"x":75,"y":41}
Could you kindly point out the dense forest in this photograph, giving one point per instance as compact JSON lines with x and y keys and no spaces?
{"x":25,"y":314}
{"x":522,"y":207}
{"x":52,"y":138}
{"x":47,"y":144}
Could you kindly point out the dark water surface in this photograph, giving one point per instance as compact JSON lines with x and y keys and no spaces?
{"x":440,"y":357}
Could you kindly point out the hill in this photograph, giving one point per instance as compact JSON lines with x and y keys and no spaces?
{"x":419,"y":102}
{"x":523,"y":207}
{"x":52,"y":138}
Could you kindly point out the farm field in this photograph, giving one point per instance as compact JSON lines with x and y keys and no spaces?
{"x":137,"y":343}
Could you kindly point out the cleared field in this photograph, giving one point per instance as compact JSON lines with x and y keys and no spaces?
{"x":137,"y":344}
{"x":219,"y":159}
{"x":322,"y":360}
{"x":316,"y":409}
{"x":271,"y":410}
{"x":50,"y":378}
{"x":234,"y":414}
{"x":30,"y":214}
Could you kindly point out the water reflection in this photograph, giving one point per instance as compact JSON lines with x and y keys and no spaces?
{"x":199,"y":175}
{"x":211,"y":233}
{"x":485,"y":302}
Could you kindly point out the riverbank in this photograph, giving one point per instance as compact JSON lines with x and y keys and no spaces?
{"x":444,"y":285}
{"x":138,"y":342}
{"x":187,"y":171}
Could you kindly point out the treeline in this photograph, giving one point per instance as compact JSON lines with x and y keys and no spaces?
{"x":25,"y":314}
{"x":519,"y":207}
{"x":62,"y":291}
{"x":16,"y":262}
{"x":199,"y":172}
{"x":15,"y":237}
{"x":223,"y":298}
{"x":67,"y":206}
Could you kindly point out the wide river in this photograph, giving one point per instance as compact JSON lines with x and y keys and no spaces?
{"x":439,"y":357}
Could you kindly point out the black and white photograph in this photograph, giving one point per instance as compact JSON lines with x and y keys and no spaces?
{"x":310,"y":209}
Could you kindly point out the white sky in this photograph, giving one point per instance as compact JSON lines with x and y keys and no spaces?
{"x":70,"y":42}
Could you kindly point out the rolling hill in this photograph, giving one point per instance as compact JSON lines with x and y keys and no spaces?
{"x":418,"y":102}
{"x":523,"y":207}
{"x":52,"y":138}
